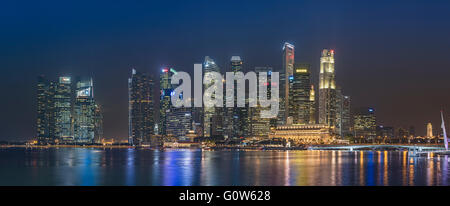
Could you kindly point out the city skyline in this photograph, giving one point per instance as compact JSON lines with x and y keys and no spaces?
{"x":397,"y":79}
{"x":164,"y":82}
{"x":144,"y":129}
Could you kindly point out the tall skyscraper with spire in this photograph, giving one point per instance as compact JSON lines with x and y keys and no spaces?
{"x":288,"y":69}
{"x":327,"y":89}
{"x":140,"y":108}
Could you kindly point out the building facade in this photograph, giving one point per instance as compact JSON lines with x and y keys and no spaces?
{"x":327,"y":89}
{"x":240,"y":116}
{"x":212,"y":116}
{"x":304,"y":133}
{"x":430,"y":130}
{"x":98,"y":121}
{"x":84,"y":112}
{"x":365,"y":125}
{"x":63,"y":110}
{"x":179,"y":123}
{"x":45,"y":122}
{"x":288,"y":70}
{"x":260,"y":127}
{"x":343,"y":124}
{"x":299,"y":94}
{"x":141,"y":121}
{"x":165,"y":98}
{"x":66,"y":115}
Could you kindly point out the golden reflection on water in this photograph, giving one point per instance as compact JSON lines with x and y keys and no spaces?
{"x":361,"y":168}
{"x":404,"y":169}
{"x":191,"y":167}
{"x":287,"y":168}
{"x":385,"y":171}
{"x":411,"y":171}
{"x":430,"y":170}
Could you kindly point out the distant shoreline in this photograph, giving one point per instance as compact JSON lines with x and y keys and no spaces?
{"x":66,"y":146}
{"x":254,"y":148}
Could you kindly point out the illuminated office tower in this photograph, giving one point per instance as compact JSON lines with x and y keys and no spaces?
{"x":197,"y":118}
{"x":299,"y":94}
{"x":429,"y":130}
{"x":327,"y":89}
{"x":165,"y":103}
{"x":141,"y":121}
{"x":238,"y":116}
{"x":365,"y":124}
{"x":281,"y":117}
{"x":288,"y":67}
{"x":347,"y":121}
{"x":63,"y":110}
{"x":179,"y":122}
{"x":84,"y":112}
{"x":98,"y":122}
{"x":45,"y":111}
{"x":212,"y":116}
{"x":343,"y":115}
{"x":312,"y":105}
{"x":260,"y":127}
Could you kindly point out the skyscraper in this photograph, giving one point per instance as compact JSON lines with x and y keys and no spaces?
{"x":239,"y":116}
{"x":260,"y":127}
{"x":327,"y":89}
{"x":62,"y":119}
{"x":346,"y":122}
{"x":45,"y":111}
{"x":299,"y":94}
{"x":84,"y":112}
{"x":212,"y":116}
{"x":429,"y":130}
{"x":288,"y":67}
{"x":343,"y":115}
{"x":140,"y":108}
{"x":165,"y":102}
{"x":63,"y":110}
{"x":179,"y":122}
{"x":365,"y":124}
{"x":98,"y":122}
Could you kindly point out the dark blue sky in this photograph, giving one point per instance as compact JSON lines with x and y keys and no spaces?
{"x":391,"y":55}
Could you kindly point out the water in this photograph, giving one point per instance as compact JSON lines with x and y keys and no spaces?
{"x":86,"y":166}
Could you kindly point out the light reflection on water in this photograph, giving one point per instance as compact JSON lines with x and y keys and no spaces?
{"x":86,"y":166}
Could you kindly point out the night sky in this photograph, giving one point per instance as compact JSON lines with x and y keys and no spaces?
{"x":390,"y":55}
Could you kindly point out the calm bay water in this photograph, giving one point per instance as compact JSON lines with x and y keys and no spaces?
{"x":86,"y":166}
